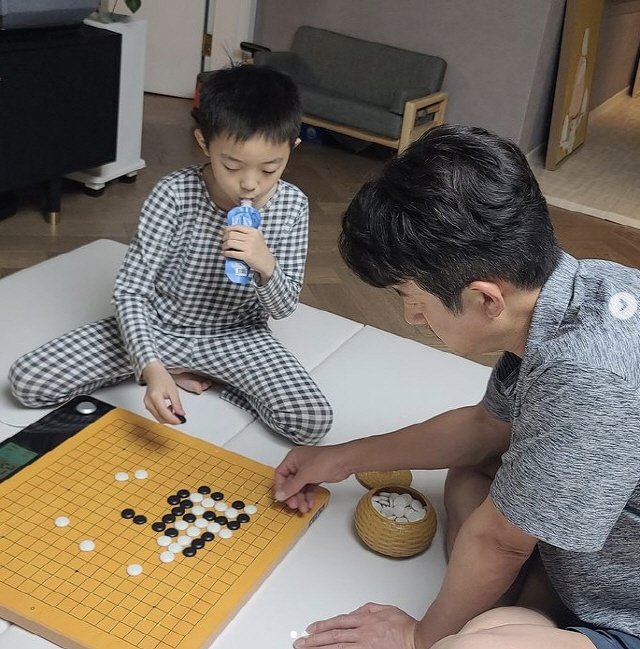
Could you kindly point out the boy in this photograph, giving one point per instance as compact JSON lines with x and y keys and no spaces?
{"x":547,"y":466}
{"x":179,"y":320}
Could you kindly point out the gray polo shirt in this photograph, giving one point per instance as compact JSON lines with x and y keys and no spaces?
{"x":571,"y":475}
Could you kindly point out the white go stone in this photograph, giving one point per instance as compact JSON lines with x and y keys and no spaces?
{"x":193,"y":531}
{"x":250,"y":509}
{"x":201,"y":523}
{"x":181,"y":525}
{"x":402,"y":519}
{"x":167,"y":557}
{"x":184,"y":540}
{"x":386,"y":494}
{"x":208,"y":502}
{"x":417,"y":505}
{"x":141,"y":474}
{"x":197,"y":510}
{"x":403,"y":499}
{"x":214,"y":528}
{"x":196,"y":498}
{"x":174,"y":547}
{"x":61,"y":521}
{"x":121,"y":476}
{"x":222,"y":506}
{"x":225,"y":533}
{"x":164,"y":541}
{"x":87,"y":546}
{"x":413,"y":515}
{"x":398,"y":509}
{"x":377,"y":506}
{"x":231,"y":513}
{"x":4,"y":625}
{"x":134,"y":570}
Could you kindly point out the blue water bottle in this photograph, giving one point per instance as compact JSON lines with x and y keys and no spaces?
{"x":245,"y":214}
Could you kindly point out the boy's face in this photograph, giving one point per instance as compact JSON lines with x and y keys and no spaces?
{"x":478,"y":329}
{"x":248,"y":169}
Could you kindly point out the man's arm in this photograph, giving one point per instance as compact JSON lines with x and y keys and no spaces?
{"x":488,"y":554}
{"x":461,"y":437}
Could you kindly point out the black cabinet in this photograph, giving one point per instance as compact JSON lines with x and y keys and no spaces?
{"x":58,"y":105}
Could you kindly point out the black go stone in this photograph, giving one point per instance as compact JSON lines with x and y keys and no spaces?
{"x":207,"y":536}
{"x":168,"y":518}
{"x":177,"y":511}
{"x":209,"y":516}
{"x":190,"y":518}
{"x":198,"y":544}
{"x":172,"y":531}
{"x":217,"y":495}
{"x":158,"y":526}
{"x":183,"y":493}
{"x":243,"y":518}
{"x":221,"y":520}
{"x":186,"y":504}
{"x":174,"y":500}
{"x":189,"y":551}
{"x":139,"y":519}
{"x":237,"y":504}
{"x":204,"y":490}
{"x":127,"y":513}
{"x":233,"y":525}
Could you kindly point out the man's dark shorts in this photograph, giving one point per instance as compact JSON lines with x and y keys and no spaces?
{"x":608,"y":639}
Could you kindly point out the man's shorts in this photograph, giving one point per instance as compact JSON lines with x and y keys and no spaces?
{"x":607,"y":638}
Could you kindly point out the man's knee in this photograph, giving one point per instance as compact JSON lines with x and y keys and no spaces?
{"x":504,"y":615}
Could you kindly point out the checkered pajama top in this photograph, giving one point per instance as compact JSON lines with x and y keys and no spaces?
{"x":173,"y":276}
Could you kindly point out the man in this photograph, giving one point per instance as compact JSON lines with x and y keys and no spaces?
{"x":544,"y":472}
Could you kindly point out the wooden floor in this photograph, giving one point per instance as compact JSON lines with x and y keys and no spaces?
{"x":330,"y":176}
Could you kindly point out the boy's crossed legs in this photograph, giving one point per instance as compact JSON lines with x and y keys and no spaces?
{"x":260,"y":374}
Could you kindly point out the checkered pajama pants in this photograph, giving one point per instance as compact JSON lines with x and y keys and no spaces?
{"x":260,"y":375}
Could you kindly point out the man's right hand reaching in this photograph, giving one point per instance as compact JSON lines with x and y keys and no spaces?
{"x":303,"y":469}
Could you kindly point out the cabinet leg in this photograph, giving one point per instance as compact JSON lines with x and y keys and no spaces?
{"x":52,"y":200}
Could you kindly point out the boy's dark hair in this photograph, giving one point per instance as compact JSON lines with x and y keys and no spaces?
{"x":459,"y":205}
{"x":245,"y":101}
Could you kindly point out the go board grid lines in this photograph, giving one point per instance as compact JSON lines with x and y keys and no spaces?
{"x":166,"y":604}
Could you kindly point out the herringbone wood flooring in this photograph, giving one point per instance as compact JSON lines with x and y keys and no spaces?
{"x":329,"y":176}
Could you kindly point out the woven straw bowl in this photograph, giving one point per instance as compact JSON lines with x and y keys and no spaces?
{"x":375,"y":479}
{"x":388,"y":537}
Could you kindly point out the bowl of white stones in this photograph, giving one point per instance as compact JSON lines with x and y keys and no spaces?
{"x":396,"y":521}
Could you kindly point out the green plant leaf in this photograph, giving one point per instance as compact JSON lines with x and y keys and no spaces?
{"x":133,"y":5}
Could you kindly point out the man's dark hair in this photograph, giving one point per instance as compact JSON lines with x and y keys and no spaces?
{"x":459,"y":205}
{"x":245,"y":101}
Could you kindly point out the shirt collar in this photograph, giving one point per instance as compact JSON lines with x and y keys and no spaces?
{"x":550,"y":311}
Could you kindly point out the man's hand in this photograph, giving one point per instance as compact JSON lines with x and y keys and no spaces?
{"x":372,"y":626}
{"x":161,"y":388}
{"x":303,"y":469}
{"x":247,"y":244}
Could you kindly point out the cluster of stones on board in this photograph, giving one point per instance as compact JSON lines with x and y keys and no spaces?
{"x":398,"y":507}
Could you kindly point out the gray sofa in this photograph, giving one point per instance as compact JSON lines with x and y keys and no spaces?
{"x":363,"y":89}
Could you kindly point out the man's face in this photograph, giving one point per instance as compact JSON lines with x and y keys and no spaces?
{"x":465,"y":333}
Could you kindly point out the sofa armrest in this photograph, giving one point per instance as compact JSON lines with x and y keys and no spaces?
{"x":401,"y":97}
{"x":286,"y":62}
{"x":420,"y":115}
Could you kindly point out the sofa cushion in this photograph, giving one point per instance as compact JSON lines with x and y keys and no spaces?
{"x":363,"y":70}
{"x":338,"y":108}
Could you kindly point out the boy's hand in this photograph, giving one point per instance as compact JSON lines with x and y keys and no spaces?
{"x":302,"y":470}
{"x":247,"y":244}
{"x":161,"y":388}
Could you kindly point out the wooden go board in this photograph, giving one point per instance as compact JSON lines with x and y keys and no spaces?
{"x":88,"y":600}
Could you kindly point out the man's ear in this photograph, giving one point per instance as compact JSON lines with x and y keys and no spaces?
{"x":490,"y":296}
{"x":202,"y":143}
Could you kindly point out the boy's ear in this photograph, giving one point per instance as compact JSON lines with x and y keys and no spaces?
{"x":202,"y":143}
{"x":296,"y":143}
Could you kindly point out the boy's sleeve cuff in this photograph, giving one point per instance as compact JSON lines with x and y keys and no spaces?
{"x":270,"y":294}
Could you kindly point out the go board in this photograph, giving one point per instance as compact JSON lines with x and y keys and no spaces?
{"x":88,"y":599}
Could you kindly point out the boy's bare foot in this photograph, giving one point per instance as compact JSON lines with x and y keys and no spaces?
{"x":192,"y":382}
